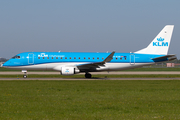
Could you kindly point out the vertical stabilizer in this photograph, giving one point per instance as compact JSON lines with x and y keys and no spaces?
{"x":161,"y":42}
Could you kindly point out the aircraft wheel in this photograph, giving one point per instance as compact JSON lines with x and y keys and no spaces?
{"x":87,"y":75}
{"x":24,"y":76}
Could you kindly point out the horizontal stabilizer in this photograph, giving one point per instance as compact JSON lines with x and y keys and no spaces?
{"x":168,"y":57}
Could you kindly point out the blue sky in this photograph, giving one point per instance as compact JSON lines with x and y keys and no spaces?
{"x":85,"y":26}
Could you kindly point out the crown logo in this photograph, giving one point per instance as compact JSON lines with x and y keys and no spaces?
{"x":160,"y":39}
{"x":67,"y":70}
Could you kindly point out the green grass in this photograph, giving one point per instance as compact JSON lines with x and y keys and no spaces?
{"x":88,"y":100}
{"x":96,"y":76}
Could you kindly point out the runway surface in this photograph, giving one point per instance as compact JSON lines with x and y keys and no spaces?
{"x":24,"y":79}
{"x":118,"y":73}
{"x":104,"y":73}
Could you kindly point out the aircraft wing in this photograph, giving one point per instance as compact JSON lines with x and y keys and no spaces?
{"x":169,"y":57}
{"x":96,"y":64}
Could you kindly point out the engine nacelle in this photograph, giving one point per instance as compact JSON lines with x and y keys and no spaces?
{"x":69,"y":71}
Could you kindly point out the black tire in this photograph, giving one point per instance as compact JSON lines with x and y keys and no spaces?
{"x":88,"y":75}
{"x":24,"y":76}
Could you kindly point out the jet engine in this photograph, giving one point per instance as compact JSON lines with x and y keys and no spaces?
{"x":69,"y":71}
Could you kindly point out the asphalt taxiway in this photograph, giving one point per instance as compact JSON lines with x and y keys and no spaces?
{"x":93,"y":73}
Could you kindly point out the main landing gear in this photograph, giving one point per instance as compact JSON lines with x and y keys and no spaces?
{"x":25,"y":75}
{"x":88,"y":75}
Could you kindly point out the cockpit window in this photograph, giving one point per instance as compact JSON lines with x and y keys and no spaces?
{"x":16,"y":57}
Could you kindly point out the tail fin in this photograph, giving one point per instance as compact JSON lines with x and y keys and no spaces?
{"x":161,"y":42}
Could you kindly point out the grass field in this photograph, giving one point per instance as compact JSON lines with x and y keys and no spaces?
{"x":107,"y":100}
{"x":96,"y":76}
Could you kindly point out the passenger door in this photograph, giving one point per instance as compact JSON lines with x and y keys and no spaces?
{"x":132,"y":58}
{"x":30,"y":58}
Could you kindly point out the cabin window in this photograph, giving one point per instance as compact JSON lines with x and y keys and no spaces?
{"x":70,"y":58}
{"x":93,"y":58}
{"x":52,"y":57}
{"x":116,"y":58}
{"x":98,"y":58}
{"x":56,"y":57}
{"x":61,"y":57}
{"x":47,"y":57}
{"x":79,"y":58}
{"x":102,"y":58}
{"x":121,"y":58}
{"x":89,"y":58}
{"x":43,"y":57}
{"x":74,"y":57}
{"x":38,"y":57}
{"x":84,"y":58}
{"x":65,"y":57}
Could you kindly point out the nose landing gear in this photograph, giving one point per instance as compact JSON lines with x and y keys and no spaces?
{"x":25,"y":75}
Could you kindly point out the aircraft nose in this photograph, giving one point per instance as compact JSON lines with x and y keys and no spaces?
{"x":5,"y":64}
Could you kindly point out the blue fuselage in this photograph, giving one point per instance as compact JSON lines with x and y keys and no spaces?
{"x":50,"y":60}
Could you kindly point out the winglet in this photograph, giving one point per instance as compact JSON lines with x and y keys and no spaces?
{"x":110,"y":57}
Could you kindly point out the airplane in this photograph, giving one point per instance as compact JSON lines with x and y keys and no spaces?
{"x":70,"y":63}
